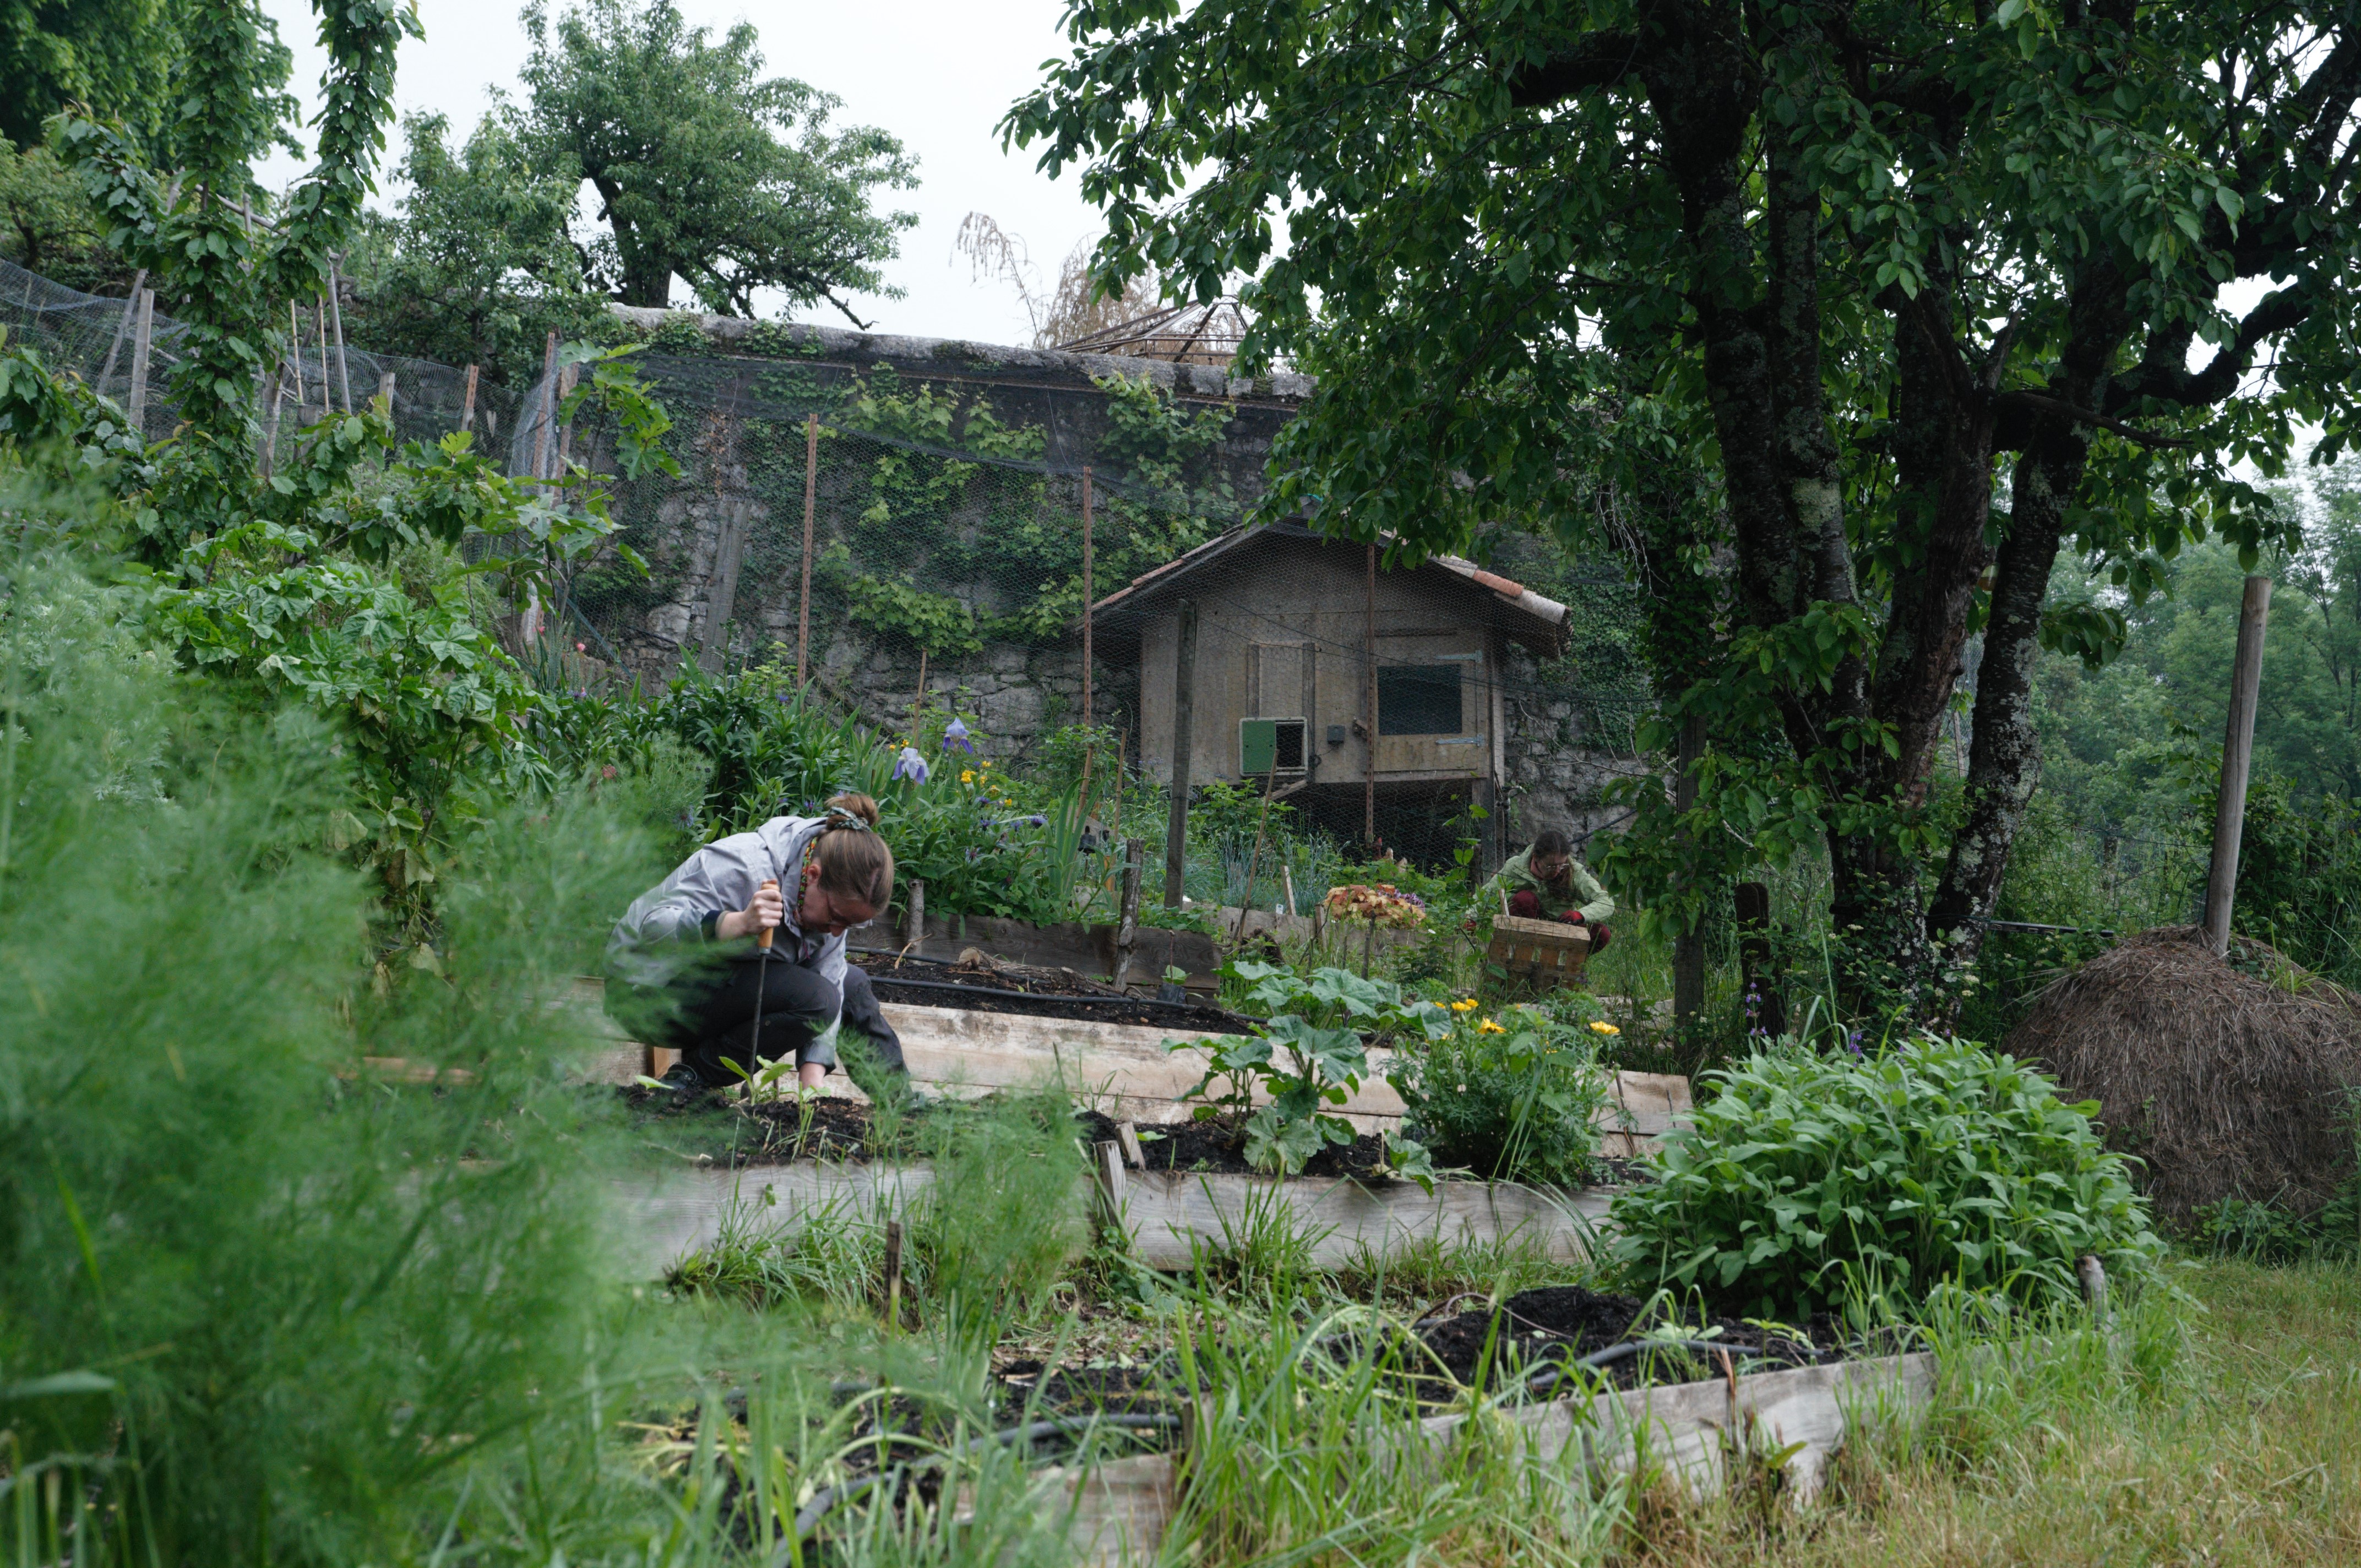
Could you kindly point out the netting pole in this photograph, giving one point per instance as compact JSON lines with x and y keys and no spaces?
{"x":1175,"y":824}
{"x":385,"y":390}
{"x":336,"y":316}
{"x":137,"y":405}
{"x":269,"y":425}
{"x":122,"y":326}
{"x":468,"y":405}
{"x":1087,"y":601}
{"x":1369,"y":711}
{"x":320,"y":334}
{"x":803,"y":592}
{"x":295,"y":354}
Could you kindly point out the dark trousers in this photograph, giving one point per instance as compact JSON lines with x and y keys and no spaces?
{"x":708,"y":1015}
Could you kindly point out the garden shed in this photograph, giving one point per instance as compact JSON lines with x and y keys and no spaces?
{"x":1295,"y":642}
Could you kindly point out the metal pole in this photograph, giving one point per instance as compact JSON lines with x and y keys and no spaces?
{"x":1086,"y":595}
{"x":137,"y":408}
{"x":1176,"y":826}
{"x":1370,"y":711}
{"x":811,"y":504}
{"x":2237,"y":761}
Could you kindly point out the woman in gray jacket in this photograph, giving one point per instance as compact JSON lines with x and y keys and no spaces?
{"x":690,"y":970}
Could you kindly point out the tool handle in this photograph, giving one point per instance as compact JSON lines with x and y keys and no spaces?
{"x":768,"y":931}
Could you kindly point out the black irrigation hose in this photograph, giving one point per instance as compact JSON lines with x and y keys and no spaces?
{"x":830,"y":1498}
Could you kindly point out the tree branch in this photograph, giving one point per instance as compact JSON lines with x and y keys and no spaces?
{"x":1599,"y":59}
{"x":2048,"y":404}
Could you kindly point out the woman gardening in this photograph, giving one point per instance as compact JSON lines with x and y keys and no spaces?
{"x":693,"y":970}
{"x":1543,"y":882}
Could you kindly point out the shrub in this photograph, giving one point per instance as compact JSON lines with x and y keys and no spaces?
{"x":1806,"y":1179}
{"x":1510,"y":1098}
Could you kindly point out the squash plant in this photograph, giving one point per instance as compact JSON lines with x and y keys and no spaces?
{"x":1308,"y":1053}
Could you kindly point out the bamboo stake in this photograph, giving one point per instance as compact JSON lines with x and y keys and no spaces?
{"x":803,"y":593}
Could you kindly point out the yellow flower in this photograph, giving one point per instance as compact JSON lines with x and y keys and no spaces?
{"x":1605,"y":1029}
{"x":967,"y":775}
{"x":985,"y":765}
{"x":1465,"y":1004}
{"x":1489,"y":1027}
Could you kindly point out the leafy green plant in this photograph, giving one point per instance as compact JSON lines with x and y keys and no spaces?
{"x":1308,"y":1053}
{"x":1510,"y":1099}
{"x":1933,"y":1160}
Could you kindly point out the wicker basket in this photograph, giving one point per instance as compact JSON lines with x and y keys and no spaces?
{"x":1549,"y":953}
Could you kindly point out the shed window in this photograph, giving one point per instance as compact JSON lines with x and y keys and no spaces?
{"x":1418,"y":700}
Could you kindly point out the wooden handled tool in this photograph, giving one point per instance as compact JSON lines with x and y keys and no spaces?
{"x":762,"y":975}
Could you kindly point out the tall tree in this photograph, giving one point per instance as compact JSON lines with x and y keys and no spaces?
{"x":1887,"y":247}
{"x":706,"y":169}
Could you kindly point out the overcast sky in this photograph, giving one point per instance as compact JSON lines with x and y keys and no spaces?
{"x":937,"y":73}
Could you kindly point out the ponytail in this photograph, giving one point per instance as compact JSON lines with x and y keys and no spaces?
{"x":854,"y":862}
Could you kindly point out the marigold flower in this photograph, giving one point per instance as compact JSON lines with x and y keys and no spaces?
{"x":967,"y":775}
{"x":1465,"y":1004}
{"x":1604,"y":1028}
{"x":1489,"y":1027}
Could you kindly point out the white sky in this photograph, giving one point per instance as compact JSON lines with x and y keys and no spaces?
{"x":937,"y":73}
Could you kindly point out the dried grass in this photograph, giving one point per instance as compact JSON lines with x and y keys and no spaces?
{"x":2229,"y":1080}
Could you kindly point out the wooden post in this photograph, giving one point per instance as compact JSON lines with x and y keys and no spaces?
{"x":385,"y":390}
{"x":1087,"y":616}
{"x":528,"y":623}
{"x":1176,"y":829}
{"x":1107,"y":1175}
{"x":892,"y":1275}
{"x":567,"y":377}
{"x":138,"y":406}
{"x":1127,"y":1134}
{"x":1287,"y":884}
{"x":1369,"y":712}
{"x":295,"y":354}
{"x":122,"y":326}
{"x":2238,"y":759}
{"x":468,"y":406}
{"x":1126,"y":931}
{"x":1689,"y":945}
{"x":320,"y":332}
{"x":336,"y":316}
{"x":915,"y":931}
{"x":811,"y":501}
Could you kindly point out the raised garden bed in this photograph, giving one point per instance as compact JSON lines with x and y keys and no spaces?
{"x":1687,"y":1432}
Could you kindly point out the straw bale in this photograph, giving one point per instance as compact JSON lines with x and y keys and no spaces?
{"x":2228,"y":1080}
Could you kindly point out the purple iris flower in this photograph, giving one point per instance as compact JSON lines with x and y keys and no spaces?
{"x":955,"y":738}
{"x":911,"y":766}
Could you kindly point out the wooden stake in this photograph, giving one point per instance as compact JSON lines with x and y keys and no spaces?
{"x":295,"y":346}
{"x":1126,"y":931}
{"x":137,"y":407}
{"x":1127,"y":1134}
{"x":915,"y":931}
{"x":811,"y":503}
{"x":1176,"y":830}
{"x":468,"y":406}
{"x":1087,"y":616}
{"x":548,"y":413}
{"x":1369,"y":711}
{"x":1287,"y":884}
{"x":320,"y":332}
{"x":2237,"y":761}
{"x":337,"y":315}
{"x":122,"y":326}
{"x":892,"y":1274}
{"x":269,"y":424}
{"x":385,"y":390}
{"x":1107,"y":1176}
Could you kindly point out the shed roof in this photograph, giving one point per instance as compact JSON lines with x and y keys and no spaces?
{"x":1531,"y":618}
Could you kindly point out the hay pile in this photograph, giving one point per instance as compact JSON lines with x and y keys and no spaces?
{"x":2225,"y":1082}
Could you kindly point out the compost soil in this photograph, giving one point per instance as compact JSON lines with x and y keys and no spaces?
{"x":1558,"y":1324}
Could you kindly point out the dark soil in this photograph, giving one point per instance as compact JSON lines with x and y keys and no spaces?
{"x":1561,"y":1322}
{"x":1208,"y":1146}
{"x":996,"y":987}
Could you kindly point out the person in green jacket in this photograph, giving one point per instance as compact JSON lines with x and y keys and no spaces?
{"x":1545,"y":881}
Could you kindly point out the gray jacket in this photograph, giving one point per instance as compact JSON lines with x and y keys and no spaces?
{"x":663,"y":931}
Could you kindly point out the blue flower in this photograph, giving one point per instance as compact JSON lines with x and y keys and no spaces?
{"x":955,"y":738}
{"x":911,"y":766}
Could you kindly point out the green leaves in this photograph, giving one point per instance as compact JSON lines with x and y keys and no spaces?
{"x":1805,"y":1180}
